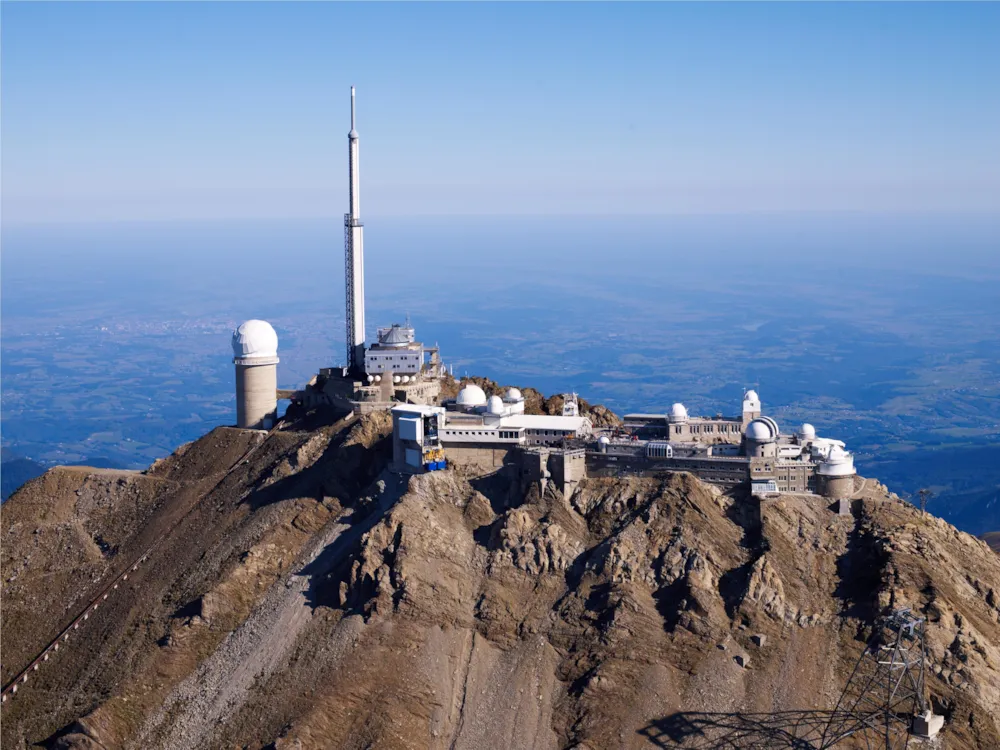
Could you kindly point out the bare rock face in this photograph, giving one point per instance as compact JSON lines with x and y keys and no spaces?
{"x":536,"y":547}
{"x":765,"y":590}
{"x":298,"y":595}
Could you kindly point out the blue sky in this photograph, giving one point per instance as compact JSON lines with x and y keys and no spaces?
{"x":124,"y":111}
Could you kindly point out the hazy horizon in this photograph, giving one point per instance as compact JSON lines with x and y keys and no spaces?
{"x":640,"y":202}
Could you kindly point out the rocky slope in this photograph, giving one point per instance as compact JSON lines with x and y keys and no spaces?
{"x":992,"y":538}
{"x":298,"y":595}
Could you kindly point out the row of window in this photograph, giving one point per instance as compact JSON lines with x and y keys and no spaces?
{"x":725,"y":427}
{"x":735,"y":468}
{"x":510,"y":434}
{"x":504,"y":434}
{"x":659,"y":450}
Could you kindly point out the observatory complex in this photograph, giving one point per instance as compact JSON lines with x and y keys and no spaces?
{"x":490,"y":433}
{"x":486,"y":434}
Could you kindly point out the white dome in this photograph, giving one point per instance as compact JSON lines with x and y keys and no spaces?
{"x":255,"y":338}
{"x":751,"y":396}
{"x":513,"y":395}
{"x":838,"y":463}
{"x":494,"y":405}
{"x":604,"y":440}
{"x":471,"y":395}
{"x":678,"y":412}
{"x":772,"y":424}
{"x":807,"y":431}
{"x":761,"y":431}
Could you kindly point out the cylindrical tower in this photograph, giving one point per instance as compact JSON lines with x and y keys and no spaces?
{"x":759,"y":438}
{"x":751,"y":407}
{"x":836,"y":474}
{"x":255,"y":354}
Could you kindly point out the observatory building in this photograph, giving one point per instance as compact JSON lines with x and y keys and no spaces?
{"x":255,"y":354}
{"x":475,"y":431}
{"x":727,"y":451}
{"x":485,"y":434}
{"x":676,"y":425}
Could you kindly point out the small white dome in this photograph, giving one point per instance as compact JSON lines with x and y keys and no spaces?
{"x":471,"y":395}
{"x":255,"y":338}
{"x":513,"y":394}
{"x":494,"y":405}
{"x":604,"y":440}
{"x":760,"y":431}
{"x":396,"y":378}
{"x":807,"y":431}
{"x":678,"y":413}
{"x":751,"y":396}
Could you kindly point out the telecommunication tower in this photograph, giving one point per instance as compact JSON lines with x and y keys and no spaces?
{"x":354,"y":258}
{"x":884,"y":697}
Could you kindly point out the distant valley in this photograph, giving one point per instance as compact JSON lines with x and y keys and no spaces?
{"x":125,"y":357}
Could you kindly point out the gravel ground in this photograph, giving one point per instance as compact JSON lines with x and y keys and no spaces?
{"x":260,"y":646}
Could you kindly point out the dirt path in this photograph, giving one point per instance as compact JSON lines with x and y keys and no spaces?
{"x":260,"y":646}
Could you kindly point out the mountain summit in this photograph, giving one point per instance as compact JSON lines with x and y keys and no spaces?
{"x":284,"y":589}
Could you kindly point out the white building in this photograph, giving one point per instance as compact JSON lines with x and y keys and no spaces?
{"x":475,"y":430}
{"x":396,"y":352}
{"x":416,"y":444}
{"x":715,"y":447}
